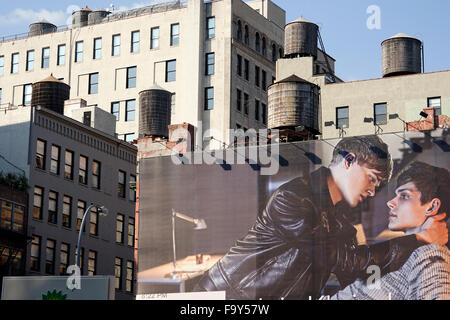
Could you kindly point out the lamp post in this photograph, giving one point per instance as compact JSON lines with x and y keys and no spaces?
{"x":103,"y":212}
{"x":200,"y":224}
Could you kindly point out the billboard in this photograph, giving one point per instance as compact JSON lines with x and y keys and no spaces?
{"x":328,"y":219}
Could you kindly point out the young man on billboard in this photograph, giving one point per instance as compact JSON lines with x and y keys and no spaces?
{"x":302,"y":235}
{"x":422,"y":192}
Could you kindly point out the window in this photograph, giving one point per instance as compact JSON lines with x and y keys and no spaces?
{"x":154,"y":38}
{"x":96,"y":171}
{"x":93,"y":223}
{"x":37,"y":210}
{"x":174,"y":34}
{"x":129,"y":137}
{"x":130,"y":108}
{"x":81,"y":259}
{"x":264,"y":113}
{"x":131,"y":77}
{"x":53,"y":207}
{"x":2,"y":65}
{"x":119,"y":228}
{"x":118,"y":273}
{"x":131,"y":226}
{"x":87,"y":118}
{"x":210,"y":26}
{"x":68,"y":165}
{"x":132,"y":188}
{"x":92,"y":263}
{"x":27,"y":93}
{"x":15,"y":63}
{"x":247,"y":69}
{"x":264,"y":80}
{"x":93,"y":83}
{"x":81,"y":208}
{"x":61,"y":55}
{"x":97,"y":48}
{"x":380,"y":114}
{"x":82,"y":174}
{"x":6,"y":215}
{"x":40,"y":154}
{"x":121,"y":185}
{"x":256,"y":110}
{"x":238,"y":99}
{"x":115,"y":108}
{"x":135,"y":36}
{"x":239,"y":65}
{"x":257,"y":76}
{"x":30,"y":60}
{"x":67,"y":212}
{"x":436,"y":104}
{"x":239,"y":30}
{"x":18,"y":218}
{"x":171,"y":70}
{"x":246,"y":36}
{"x":130,"y":275}
{"x":35,"y":257}
{"x":0,"y":96}
{"x":45,"y":58}
{"x":50,"y":257}
{"x":257,"y":42}
{"x":274,"y":53}
{"x":115,"y":45}
{"x":209,"y":98}
{"x":54,"y":162}
{"x":209,"y":61}
{"x":246,"y":102}
{"x":280,"y":53}
{"x":342,"y":117}
{"x":79,"y":51}
{"x":64,"y":258}
{"x":264,"y":47}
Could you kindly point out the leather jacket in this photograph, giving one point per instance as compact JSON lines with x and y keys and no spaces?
{"x":296,"y":243}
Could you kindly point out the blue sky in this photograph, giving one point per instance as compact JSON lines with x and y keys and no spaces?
{"x":342,"y":23}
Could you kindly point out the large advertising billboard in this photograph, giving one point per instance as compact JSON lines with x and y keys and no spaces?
{"x":350,"y":218}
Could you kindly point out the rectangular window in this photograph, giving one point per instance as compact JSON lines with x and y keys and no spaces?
{"x":81,"y":260}
{"x":82,"y":174}
{"x":131,"y":226}
{"x":210,"y":27}
{"x":118,"y":273}
{"x":87,"y":118}
{"x":93,"y":83}
{"x":14,"y":63}
{"x":0,"y":96}
{"x":121,"y":184}
{"x":209,"y":64}
{"x":30,"y":60}
{"x":129,"y":137}
{"x":135,"y":37}
{"x":64,"y":258}
{"x":119,"y":228}
{"x":130,"y":277}
{"x":256,"y":110}
{"x":92,"y":263}
{"x":115,"y":108}
{"x":6,"y":215}
{"x":132,"y":188}
{"x":264,"y":80}
{"x":239,"y":65}
{"x":131,"y":77}
{"x":37,"y":210}
{"x":264,"y":113}
{"x":209,"y":98}
{"x":247,"y":69}
{"x":2,"y":65}
{"x":246,"y":102}
{"x":115,"y":45}
{"x":50,"y":257}
{"x":96,"y":174}
{"x":67,"y":212}
{"x":93,"y":223}
{"x":61,"y":55}
{"x":154,"y":41}
{"x":257,"y":76}
{"x":45,"y":58}
{"x":97,"y":48}
{"x":53,"y":207}
{"x":436,"y":104}
{"x":27,"y":93}
{"x":238,"y":99}
{"x":35,"y":257}
{"x":171,"y":70}
{"x":380,"y":113}
{"x":342,"y":117}
{"x":18,"y":218}
{"x":174,"y":34}
{"x":54,"y":162}
{"x":68,"y":165}
{"x":79,"y":51}
{"x":81,"y":208}
{"x":130,"y":108}
{"x":41,"y":146}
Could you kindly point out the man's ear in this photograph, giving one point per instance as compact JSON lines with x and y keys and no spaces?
{"x":433,"y":207}
{"x":349,"y":159}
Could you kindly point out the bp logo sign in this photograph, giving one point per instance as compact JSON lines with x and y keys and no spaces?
{"x":54,"y":295}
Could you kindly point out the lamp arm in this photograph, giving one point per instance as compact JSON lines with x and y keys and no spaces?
{"x":83,"y":222}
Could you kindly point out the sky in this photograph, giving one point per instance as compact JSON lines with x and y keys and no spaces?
{"x":352,"y":30}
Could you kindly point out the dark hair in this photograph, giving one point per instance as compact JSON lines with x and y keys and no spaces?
{"x":432,"y":182}
{"x":369,"y":150}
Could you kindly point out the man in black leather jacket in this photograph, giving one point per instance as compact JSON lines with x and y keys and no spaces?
{"x":302,"y":235}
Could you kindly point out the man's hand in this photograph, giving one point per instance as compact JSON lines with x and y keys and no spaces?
{"x":434,"y":230}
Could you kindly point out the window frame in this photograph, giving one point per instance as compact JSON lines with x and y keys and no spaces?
{"x":93,"y":86}
{"x":45,"y":60}
{"x":67,"y":216}
{"x":96,"y":176}
{"x":174,"y":37}
{"x":133,"y":48}
{"x":2,"y":65}
{"x":115,"y":103}
{"x":15,"y":62}
{"x":209,"y":99}
{"x":131,"y":231}
{"x":210,"y":66}
{"x":27,"y":94}
{"x":377,"y":115}
{"x":38,"y":215}
{"x":30,"y":62}
{"x":129,"y":83}
{"x":338,"y":126}
{"x":121,"y":186}
{"x":170,"y":72}
{"x":41,"y":156}
{"x":68,"y":165}
{"x":52,"y":212}
{"x":92,"y":270}
{"x":120,"y":228}
{"x":210,"y":35}
{"x":35,"y":260}
{"x":129,"y":283}
{"x":238,"y":100}
{"x":64,"y":258}
{"x":61,"y":60}
{"x":118,"y":274}
{"x":79,"y":47}
{"x":83,"y":180}
{"x":55,"y":159}
{"x":154,"y":42}
{"x":431,"y":105}
{"x":130,"y":114}
{"x":97,"y":48}
{"x":115,"y":48}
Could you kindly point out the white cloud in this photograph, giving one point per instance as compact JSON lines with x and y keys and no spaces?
{"x":22,"y":16}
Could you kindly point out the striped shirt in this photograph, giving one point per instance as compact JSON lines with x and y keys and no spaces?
{"x":424,"y":276}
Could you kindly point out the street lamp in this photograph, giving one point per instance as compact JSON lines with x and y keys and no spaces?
{"x":200,"y":224}
{"x":103,"y":212}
